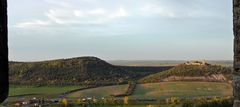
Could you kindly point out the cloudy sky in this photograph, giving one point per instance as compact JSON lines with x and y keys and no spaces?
{"x":120,"y":29}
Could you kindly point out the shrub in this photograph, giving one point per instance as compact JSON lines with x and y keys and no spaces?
{"x":125,"y":100}
{"x":64,"y":102}
{"x":188,"y":104}
{"x":216,"y":102}
{"x":173,"y":100}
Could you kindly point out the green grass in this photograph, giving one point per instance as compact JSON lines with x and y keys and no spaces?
{"x":162,"y":90}
{"x":150,"y":90}
{"x":99,"y":92}
{"x":123,"y":106}
{"x":21,"y":90}
{"x":190,"y":71}
{"x":182,"y":89}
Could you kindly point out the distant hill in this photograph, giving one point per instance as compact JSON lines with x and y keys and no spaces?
{"x":164,"y":62}
{"x":143,"y":71}
{"x":76,"y":71}
{"x":191,"y":72}
{"x":82,"y":70}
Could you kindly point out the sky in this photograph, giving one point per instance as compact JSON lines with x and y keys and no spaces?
{"x":120,"y":29}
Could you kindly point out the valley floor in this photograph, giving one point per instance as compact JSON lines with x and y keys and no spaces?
{"x":156,"y":91}
{"x":149,"y":90}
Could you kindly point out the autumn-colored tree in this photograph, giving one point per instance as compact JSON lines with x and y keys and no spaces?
{"x":64,"y":101}
{"x":150,"y":106}
{"x":173,"y":100}
{"x":126,"y":100}
{"x":78,"y":102}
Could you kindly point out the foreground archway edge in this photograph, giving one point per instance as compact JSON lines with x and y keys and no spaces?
{"x":236,"y":72}
{"x":3,"y":51}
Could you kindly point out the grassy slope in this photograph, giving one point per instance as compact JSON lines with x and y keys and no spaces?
{"x":20,"y":90}
{"x":99,"y":92}
{"x":162,"y":90}
{"x":124,"y":106}
{"x":188,"y":70}
{"x":182,"y":89}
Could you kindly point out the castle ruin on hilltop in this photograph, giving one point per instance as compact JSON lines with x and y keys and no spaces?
{"x":198,"y":63}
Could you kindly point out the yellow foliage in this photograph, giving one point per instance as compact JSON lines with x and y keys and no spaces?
{"x":173,"y":100}
{"x":64,"y":102}
{"x":150,"y":106}
{"x":125,"y":100}
{"x":78,"y":101}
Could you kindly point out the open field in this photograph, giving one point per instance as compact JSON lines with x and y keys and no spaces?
{"x":182,"y":89}
{"x":21,"y":90}
{"x":99,"y":92}
{"x":162,"y":90}
{"x":158,"y":91}
{"x":149,"y":90}
{"x":125,"y":106}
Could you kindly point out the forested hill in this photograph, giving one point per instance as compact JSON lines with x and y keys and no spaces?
{"x":76,"y":71}
{"x":188,"y":72}
{"x":82,"y":70}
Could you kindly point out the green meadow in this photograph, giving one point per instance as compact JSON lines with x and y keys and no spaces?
{"x":182,"y":89}
{"x":158,"y":91}
{"x":22,"y":90}
{"x":149,"y":90}
{"x":161,"y":90}
{"x":99,"y":92}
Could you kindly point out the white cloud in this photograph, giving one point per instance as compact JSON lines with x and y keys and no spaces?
{"x":90,"y":1}
{"x":61,"y":3}
{"x":64,"y":12}
{"x":61,"y":12}
{"x":159,"y":10}
{"x":69,"y":16}
{"x":176,"y":10}
{"x":99,"y":11}
{"x":91,"y":13}
{"x":121,"y":12}
{"x":78,"y":13}
{"x":35,"y":23}
{"x":60,"y":16}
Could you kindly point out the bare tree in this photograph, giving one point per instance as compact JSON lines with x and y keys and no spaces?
{"x":3,"y":51}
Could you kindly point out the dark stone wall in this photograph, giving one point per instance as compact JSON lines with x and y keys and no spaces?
{"x":3,"y":51}
{"x":236,"y":72}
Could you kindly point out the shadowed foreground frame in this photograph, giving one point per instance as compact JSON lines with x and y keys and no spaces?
{"x":236,"y":73}
{"x":3,"y":51}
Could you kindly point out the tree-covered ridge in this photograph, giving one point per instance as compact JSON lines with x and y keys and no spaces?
{"x":82,"y":70}
{"x":184,"y":70}
{"x":76,"y":71}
